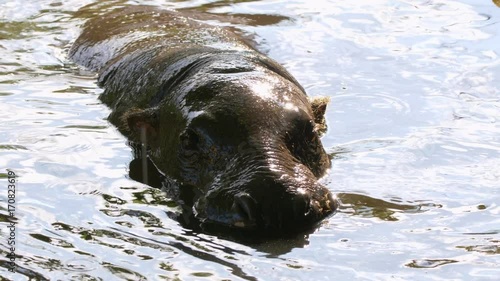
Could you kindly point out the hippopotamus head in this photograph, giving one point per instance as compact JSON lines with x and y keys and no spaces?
{"x":249,"y":144}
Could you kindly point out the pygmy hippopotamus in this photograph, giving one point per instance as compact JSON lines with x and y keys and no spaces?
{"x":219,"y":117}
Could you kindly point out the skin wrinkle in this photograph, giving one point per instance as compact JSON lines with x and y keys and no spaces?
{"x":296,"y":177}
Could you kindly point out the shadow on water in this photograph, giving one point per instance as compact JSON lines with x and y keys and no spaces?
{"x":369,"y":207}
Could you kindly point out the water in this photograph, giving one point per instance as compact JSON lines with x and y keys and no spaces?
{"x":414,"y":127}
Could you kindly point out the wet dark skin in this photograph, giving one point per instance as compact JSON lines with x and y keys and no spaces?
{"x":220,"y":118}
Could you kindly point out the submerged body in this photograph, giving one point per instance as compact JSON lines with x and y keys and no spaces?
{"x":220,"y":117}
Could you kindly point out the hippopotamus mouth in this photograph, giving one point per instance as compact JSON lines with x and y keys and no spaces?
{"x":289,"y":211}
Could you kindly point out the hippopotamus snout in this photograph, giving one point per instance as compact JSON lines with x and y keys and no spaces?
{"x":292,"y":211}
{"x":277,"y":203}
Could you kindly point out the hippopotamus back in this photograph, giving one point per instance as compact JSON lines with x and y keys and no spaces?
{"x":220,"y":117}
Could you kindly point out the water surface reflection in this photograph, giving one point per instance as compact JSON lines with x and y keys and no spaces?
{"x":414,"y":122}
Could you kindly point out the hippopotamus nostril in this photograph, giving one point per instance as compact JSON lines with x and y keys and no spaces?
{"x":324,"y":205}
{"x":245,"y":208}
{"x":331,"y":203}
{"x":315,"y":207}
{"x":312,"y":207}
{"x":301,"y":205}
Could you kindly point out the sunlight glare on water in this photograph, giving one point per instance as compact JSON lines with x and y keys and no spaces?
{"x":414,"y":134}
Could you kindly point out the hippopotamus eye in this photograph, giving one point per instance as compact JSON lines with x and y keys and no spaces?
{"x":189,"y":140}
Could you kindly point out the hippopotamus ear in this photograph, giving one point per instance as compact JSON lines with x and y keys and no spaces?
{"x":318,"y":105}
{"x":135,"y":120}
